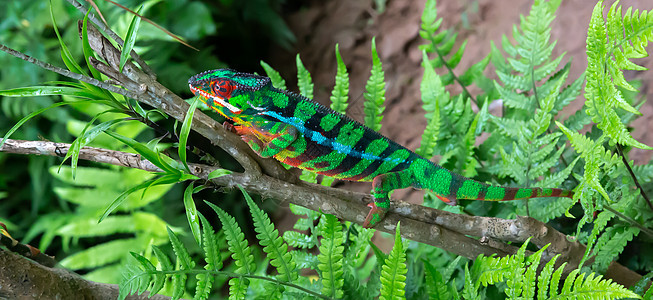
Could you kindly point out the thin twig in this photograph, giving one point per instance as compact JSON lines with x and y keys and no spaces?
{"x":629,"y":220}
{"x":174,"y":36}
{"x":306,"y":195}
{"x":72,"y":75}
{"x":632,"y":174}
{"x":444,"y":62}
{"x":245,"y":160}
{"x":146,"y":68}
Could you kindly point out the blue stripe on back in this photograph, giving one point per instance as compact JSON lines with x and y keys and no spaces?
{"x":322,"y":140}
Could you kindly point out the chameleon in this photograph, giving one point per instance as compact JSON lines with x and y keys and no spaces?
{"x":302,"y":133}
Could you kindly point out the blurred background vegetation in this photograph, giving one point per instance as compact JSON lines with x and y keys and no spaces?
{"x":42,"y":204}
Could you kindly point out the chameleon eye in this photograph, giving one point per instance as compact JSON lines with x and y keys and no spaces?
{"x":222,"y":88}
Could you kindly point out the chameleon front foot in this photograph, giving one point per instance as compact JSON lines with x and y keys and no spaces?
{"x":375,"y":215}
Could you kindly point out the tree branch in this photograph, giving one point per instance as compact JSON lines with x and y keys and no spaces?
{"x":442,"y":229}
{"x":21,"y":278}
{"x":268,"y":178}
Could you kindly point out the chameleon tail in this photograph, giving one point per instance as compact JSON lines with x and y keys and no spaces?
{"x":449,"y":187}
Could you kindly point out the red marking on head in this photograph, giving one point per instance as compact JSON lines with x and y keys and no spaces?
{"x":222,"y":88}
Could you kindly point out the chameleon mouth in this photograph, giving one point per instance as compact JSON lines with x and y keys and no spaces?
{"x":218,"y":100}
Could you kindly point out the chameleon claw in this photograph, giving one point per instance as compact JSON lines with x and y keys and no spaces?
{"x":448,"y":201}
{"x":229,"y":127}
{"x":375,"y":215}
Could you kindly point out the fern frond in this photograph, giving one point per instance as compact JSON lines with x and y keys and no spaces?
{"x":331,"y":257}
{"x":304,"y":260}
{"x":435,"y":284}
{"x":466,"y":153}
{"x":272,"y":243}
{"x":299,"y":240}
{"x":135,"y":279}
{"x":358,"y":246}
{"x":545,"y":278}
{"x":340,"y":93}
{"x":442,"y":43}
{"x":374,"y":93}
{"x":514,"y":279}
{"x":275,"y":77}
{"x":610,"y":57}
{"x":304,"y":81}
{"x":599,"y":223}
{"x":393,"y":272}
{"x":212,"y":258}
{"x":432,"y":91}
{"x":241,"y":253}
{"x":470,"y":290}
{"x":183,"y":261}
{"x":610,"y":244}
{"x":591,"y":287}
{"x":590,"y":151}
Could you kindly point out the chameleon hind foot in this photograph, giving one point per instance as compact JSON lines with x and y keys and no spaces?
{"x":375,"y":215}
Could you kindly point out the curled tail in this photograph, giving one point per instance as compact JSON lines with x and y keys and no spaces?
{"x":449,"y":186}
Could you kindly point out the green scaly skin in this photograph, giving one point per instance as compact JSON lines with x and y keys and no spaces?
{"x":299,"y":132}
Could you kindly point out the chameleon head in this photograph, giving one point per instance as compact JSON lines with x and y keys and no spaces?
{"x":226,"y":90}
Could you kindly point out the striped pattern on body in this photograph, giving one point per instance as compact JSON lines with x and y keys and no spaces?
{"x":334,"y":145}
{"x":302,"y":133}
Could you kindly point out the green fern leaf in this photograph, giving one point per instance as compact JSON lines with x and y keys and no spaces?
{"x":134,"y":280}
{"x":331,"y":256}
{"x":150,"y":271}
{"x":272,"y":243}
{"x":610,"y":244}
{"x":436,"y":286}
{"x":275,"y":77}
{"x":212,"y":258}
{"x":340,"y":93}
{"x":588,"y":150}
{"x":393,"y":272}
{"x":432,"y":90}
{"x":545,"y":278}
{"x":183,"y":261}
{"x":304,"y":81}
{"x":374,"y":93}
{"x":299,"y":240}
{"x":470,"y":290}
{"x":358,"y":246}
{"x":474,"y":72}
{"x":592,"y":287}
{"x":304,"y":260}
{"x":530,"y":276}
{"x":241,"y":253}
{"x":600,"y":223}
{"x":600,"y":91}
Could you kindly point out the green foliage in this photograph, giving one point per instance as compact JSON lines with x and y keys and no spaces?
{"x":523,"y":148}
{"x":611,"y":44}
{"x":138,"y":230}
{"x":433,"y":93}
{"x":375,"y":93}
{"x":522,"y":280}
{"x":130,"y":39}
{"x":441,"y":43}
{"x":304,"y":81}
{"x":453,"y":137}
{"x":339,"y":95}
{"x":273,"y":244}
{"x":536,"y":148}
{"x":275,"y":77}
{"x":241,"y":253}
{"x":393,"y":274}
{"x":331,"y":256}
